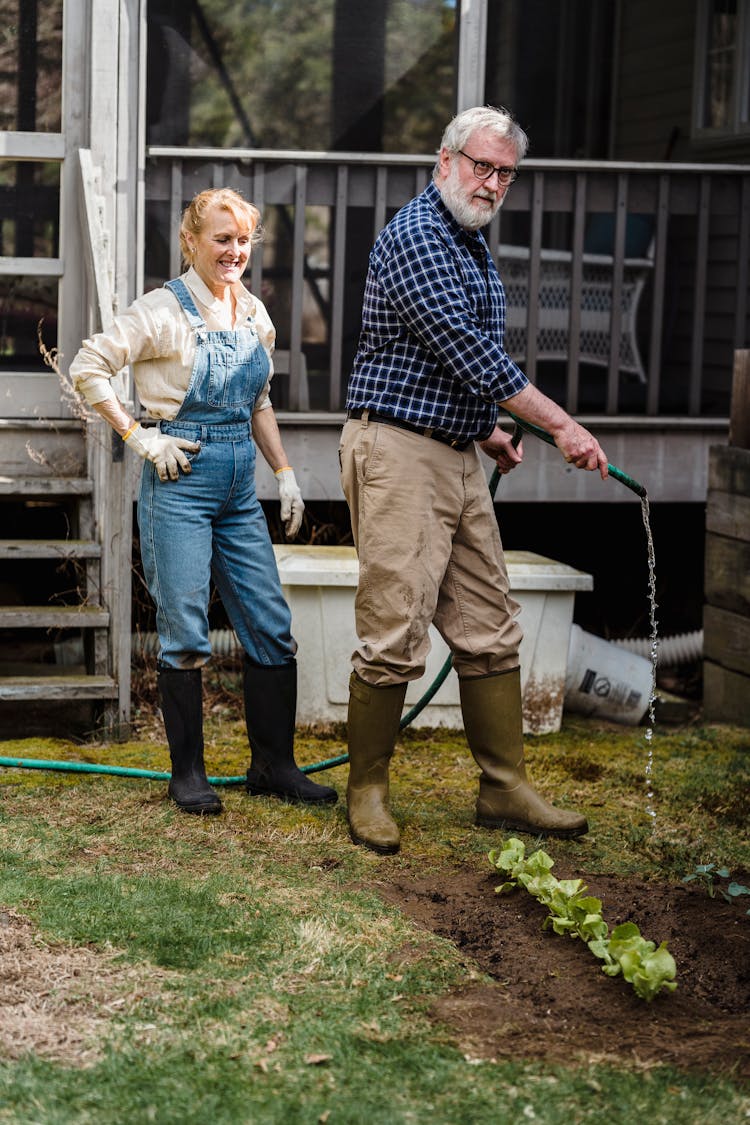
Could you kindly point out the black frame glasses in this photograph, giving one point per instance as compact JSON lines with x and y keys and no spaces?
{"x":483,"y":170}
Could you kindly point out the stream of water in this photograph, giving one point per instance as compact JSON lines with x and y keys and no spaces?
{"x":654,"y":656}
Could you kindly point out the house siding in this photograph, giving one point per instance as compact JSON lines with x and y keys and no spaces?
{"x":655,"y":62}
{"x":653,"y":121}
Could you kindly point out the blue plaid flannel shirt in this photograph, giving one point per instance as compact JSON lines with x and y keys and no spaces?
{"x":431,"y":347}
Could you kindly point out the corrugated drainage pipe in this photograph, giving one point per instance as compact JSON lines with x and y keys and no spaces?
{"x":682,"y":648}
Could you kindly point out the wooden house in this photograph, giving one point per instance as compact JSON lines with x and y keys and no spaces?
{"x":625,"y":243}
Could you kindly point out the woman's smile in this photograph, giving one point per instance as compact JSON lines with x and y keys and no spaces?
{"x":221,"y":250}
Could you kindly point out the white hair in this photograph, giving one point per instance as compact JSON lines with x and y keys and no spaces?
{"x":497,"y":119}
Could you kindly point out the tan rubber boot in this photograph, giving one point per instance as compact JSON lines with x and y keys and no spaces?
{"x":374,"y":716}
{"x":491,"y":707}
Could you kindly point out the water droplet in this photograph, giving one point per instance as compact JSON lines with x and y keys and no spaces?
{"x":654,"y":651}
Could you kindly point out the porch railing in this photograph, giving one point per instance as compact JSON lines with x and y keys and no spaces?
{"x":627,"y":283}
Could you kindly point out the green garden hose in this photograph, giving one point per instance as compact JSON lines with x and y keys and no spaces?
{"x":341,"y":759}
{"x":613,"y":471}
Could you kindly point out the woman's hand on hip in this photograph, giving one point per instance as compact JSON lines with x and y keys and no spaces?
{"x":166,"y":452}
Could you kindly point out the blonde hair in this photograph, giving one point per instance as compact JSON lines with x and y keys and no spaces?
{"x":194,"y":215}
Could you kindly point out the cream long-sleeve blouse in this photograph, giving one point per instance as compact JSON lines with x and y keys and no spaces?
{"x":154,"y":335}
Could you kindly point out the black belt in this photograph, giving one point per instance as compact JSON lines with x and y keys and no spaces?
{"x":387,"y":420}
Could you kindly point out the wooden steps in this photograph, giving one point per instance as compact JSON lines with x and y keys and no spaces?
{"x":54,"y":657}
{"x":49,"y":549}
{"x":80,"y":687}
{"x":53,"y":617}
{"x":45,"y":486}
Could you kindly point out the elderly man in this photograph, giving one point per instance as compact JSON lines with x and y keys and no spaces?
{"x":429,"y":373}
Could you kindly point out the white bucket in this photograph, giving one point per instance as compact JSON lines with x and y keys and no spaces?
{"x":606,"y":680}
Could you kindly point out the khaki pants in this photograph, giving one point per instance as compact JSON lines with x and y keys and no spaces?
{"x":429,"y":552}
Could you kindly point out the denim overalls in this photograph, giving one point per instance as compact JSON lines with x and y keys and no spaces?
{"x":210,"y":522}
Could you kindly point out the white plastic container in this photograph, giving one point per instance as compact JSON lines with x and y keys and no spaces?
{"x":604,"y":679}
{"x":319,"y":584}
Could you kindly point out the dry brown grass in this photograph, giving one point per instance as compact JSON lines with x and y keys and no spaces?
{"x":58,"y":1001}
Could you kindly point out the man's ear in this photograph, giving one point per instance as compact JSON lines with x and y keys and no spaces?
{"x":444,"y":161}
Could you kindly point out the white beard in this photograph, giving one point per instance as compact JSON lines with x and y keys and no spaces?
{"x":467,"y":212}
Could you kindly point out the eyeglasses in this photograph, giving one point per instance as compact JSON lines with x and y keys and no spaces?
{"x":483,"y":170}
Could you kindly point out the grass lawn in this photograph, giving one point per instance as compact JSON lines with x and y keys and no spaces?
{"x":245,"y":968}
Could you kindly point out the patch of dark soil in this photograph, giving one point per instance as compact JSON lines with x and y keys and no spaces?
{"x":549,"y":998}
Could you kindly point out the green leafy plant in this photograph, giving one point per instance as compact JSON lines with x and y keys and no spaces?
{"x":648,"y":967}
{"x":708,"y":873}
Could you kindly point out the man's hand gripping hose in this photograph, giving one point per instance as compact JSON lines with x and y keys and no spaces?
{"x":618,"y":474}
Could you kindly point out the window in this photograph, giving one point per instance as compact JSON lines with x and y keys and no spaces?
{"x":722,"y":91}
{"x":30,"y":65}
{"x":355,"y":76}
{"x":550,"y":64}
{"x":29,"y":208}
{"x":346,"y":75}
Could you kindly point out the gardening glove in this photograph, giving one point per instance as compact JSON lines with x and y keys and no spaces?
{"x":166,"y":452}
{"x":292,"y":504}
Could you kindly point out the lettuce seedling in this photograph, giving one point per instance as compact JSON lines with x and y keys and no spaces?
{"x":571,"y":911}
{"x":643,"y":965}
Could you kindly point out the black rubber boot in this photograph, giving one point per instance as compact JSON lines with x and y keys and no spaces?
{"x":270,"y":712}
{"x":182,"y":708}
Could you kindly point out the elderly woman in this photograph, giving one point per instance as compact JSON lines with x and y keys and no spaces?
{"x":200,"y":349}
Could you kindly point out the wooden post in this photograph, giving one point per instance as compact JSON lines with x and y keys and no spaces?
{"x":739,"y":418}
{"x":726,"y":614}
